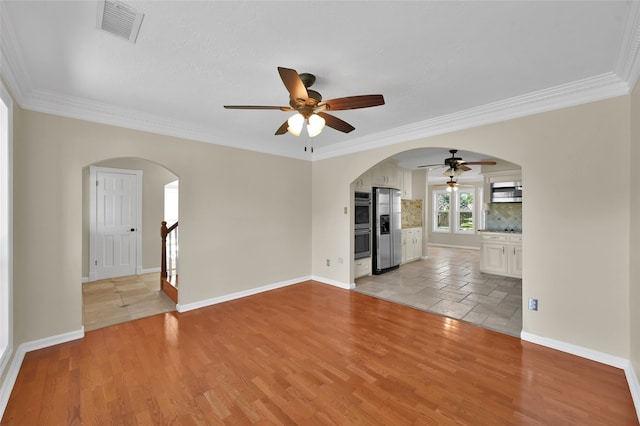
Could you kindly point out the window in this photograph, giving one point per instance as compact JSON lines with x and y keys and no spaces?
{"x":464,"y":204}
{"x":441,"y":215}
{"x":454,"y":211}
{"x":6,"y":301}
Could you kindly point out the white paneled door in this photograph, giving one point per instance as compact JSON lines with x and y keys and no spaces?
{"x":116,"y":224}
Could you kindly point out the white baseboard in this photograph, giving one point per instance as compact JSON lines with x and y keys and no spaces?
{"x":238,"y":295}
{"x":601,"y":357}
{"x":14,"y":368}
{"x":453,"y":246}
{"x":580,"y":351}
{"x":334,"y":283}
{"x":85,"y":280}
{"x":634,"y":387}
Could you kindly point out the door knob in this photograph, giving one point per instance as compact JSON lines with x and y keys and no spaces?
{"x":133,"y":229}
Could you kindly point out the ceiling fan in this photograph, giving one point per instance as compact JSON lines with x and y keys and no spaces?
{"x":456,"y":165}
{"x":310,"y":107}
{"x":452,"y":185}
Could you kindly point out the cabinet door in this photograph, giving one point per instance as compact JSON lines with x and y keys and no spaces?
{"x":494,"y":258}
{"x":362,"y":267}
{"x":515,"y":261}
{"x":406,"y":184}
{"x":418,"y":243}
{"x":403,"y":242}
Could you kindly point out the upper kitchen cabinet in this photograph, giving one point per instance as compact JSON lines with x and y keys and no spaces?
{"x":385,"y":174}
{"x":405,"y":187}
{"x":363,"y":182}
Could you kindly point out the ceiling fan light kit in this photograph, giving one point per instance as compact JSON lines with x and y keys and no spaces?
{"x":309,"y":106}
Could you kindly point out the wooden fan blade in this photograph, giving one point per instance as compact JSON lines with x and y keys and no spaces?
{"x":281,"y":108}
{"x":293,"y":83}
{"x":282,"y":129}
{"x":336,"y":123}
{"x":481,"y":163}
{"x":431,"y":165}
{"x":463,"y":167}
{"x":354,"y":102}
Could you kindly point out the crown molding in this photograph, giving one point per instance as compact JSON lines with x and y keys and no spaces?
{"x":11,"y":63}
{"x":628,"y":63}
{"x":575,"y":93}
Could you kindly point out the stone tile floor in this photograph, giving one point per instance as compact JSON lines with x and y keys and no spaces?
{"x":449,"y":283}
{"x":116,"y":300}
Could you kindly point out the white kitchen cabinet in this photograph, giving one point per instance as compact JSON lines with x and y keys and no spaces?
{"x":501,"y":254}
{"x":411,"y":240}
{"x":405,"y":187}
{"x":363,"y":182}
{"x":385,"y":174}
{"x":362,"y":267}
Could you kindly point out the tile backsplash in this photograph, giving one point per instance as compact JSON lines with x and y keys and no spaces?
{"x":411,"y":213}
{"x":501,"y":216}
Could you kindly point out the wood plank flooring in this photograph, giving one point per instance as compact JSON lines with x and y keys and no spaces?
{"x":312,"y":354}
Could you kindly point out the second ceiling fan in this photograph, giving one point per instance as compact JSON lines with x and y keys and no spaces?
{"x":310,"y":107}
{"x":456,"y":165}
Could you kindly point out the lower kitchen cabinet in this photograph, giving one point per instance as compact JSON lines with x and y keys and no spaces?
{"x":362,"y":267}
{"x":411,"y":241}
{"x":501,"y":254}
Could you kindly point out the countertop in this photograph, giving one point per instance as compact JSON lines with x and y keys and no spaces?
{"x":502,"y":231}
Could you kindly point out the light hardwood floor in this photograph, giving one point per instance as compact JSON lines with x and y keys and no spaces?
{"x":311,"y":354}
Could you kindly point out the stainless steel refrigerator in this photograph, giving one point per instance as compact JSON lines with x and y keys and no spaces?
{"x":387,"y":225}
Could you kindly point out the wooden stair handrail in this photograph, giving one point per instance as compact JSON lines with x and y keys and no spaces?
{"x":164,"y":231}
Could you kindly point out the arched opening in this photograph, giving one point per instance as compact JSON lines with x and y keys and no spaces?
{"x":121,"y":272}
{"x":461,"y":249}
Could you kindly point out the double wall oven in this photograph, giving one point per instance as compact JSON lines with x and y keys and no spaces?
{"x":362,"y":225}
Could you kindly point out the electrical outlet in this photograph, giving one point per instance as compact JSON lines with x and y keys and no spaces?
{"x":328,"y":262}
{"x":533,"y":304}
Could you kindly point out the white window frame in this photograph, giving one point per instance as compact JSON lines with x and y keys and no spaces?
{"x":434,"y":211}
{"x":456,"y":209}
{"x":6,"y":231}
{"x":454,"y":216}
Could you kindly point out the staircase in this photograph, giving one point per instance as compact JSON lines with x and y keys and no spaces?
{"x":169,"y":265}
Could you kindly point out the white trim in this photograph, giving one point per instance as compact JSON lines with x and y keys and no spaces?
{"x":10,"y":379}
{"x":334,"y":283}
{"x":593,"y":355}
{"x":580,"y":351}
{"x":634,"y":387}
{"x":591,"y":89}
{"x":452,"y":246}
{"x":6,"y":227}
{"x":93,"y":171}
{"x":238,"y":295}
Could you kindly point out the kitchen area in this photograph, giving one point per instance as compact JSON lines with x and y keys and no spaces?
{"x":474,"y":276}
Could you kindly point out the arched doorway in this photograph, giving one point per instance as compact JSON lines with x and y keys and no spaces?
{"x":111,"y":297}
{"x":442,"y":238}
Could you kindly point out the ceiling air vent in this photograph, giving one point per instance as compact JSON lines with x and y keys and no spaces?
{"x":119,"y":19}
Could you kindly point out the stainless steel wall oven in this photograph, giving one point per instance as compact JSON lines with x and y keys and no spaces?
{"x":362,"y":210}
{"x":362,"y":225}
{"x":362,"y":243}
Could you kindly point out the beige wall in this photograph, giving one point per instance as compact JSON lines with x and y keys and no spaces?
{"x":154,"y":178}
{"x":634,"y":195}
{"x":577,"y":264}
{"x":245,"y":217}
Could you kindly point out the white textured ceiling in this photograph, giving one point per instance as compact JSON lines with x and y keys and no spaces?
{"x":440,"y":65}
